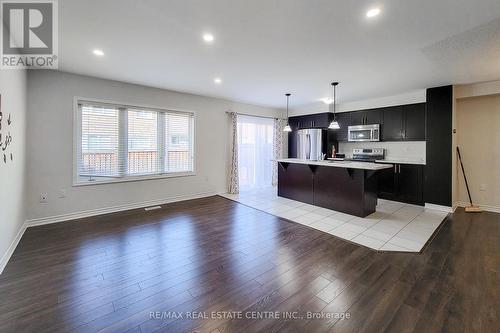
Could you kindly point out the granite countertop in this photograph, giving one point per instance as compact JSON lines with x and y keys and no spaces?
{"x":339,"y":164}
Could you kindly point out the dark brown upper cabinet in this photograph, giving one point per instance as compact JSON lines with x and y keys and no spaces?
{"x":398,"y":123}
{"x":343,"y":120}
{"x":392,"y":127}
{"x":373,"y":117}
{"x":404,"y":123}
{"x":321,"y":120}
{"x":366,"y":117}
{"x":318,"y":120}
{"x":357,"y":118}
{"x":414,"y":118}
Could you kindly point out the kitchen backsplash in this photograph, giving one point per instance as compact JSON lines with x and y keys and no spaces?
{"x":407,"y":150}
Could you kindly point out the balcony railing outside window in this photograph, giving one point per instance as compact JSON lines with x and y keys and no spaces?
{"x":117,"y":142}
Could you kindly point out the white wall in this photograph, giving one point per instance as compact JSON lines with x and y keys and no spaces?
{"x":12,"y":173}
{"x":478,"y":136}
{"x":461,"y":93}
{"x":417,"y":96}
{"x":476,"y":89}
{"x":50,"y":135}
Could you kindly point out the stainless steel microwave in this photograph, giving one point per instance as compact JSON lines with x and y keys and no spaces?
{"x":364,"y":133}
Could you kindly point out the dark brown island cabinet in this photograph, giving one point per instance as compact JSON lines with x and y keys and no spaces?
{"x":349,"y":188}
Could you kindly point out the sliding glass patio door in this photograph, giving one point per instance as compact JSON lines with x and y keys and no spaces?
{"x":255,"y":152}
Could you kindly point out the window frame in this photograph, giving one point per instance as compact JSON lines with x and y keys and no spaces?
{"x":77,"y":137}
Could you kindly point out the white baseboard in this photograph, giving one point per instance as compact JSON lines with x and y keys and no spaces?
{"x":12,"y":247}
{"x":89,"y":213}
{"x":493,"y":209}
{"x":445,"y":209}
{"x":114,"y":209}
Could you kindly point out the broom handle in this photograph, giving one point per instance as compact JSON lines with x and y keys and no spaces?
{"x":465,"y":177}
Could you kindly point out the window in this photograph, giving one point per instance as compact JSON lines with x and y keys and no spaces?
{"x":120,"y":142}
{"x":99,"y":142}
{"x":142,"y":142}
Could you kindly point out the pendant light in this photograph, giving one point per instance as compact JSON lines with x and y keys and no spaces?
{"x":334,"y":124}
{"x":287,"y":127}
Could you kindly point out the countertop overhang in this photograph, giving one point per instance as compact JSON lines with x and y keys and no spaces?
{"x":339,"y":164}
{"x":401,"y":161}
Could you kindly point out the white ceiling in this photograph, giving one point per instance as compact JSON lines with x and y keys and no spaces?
{"x":264,"y":48}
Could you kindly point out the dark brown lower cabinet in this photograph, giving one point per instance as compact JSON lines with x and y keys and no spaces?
{"x":387,"y":180}
{"x":404,"y":183}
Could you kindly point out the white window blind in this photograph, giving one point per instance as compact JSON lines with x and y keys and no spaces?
{"x":99,"y":141}
{"x":143,"y":157}
{"x":119,"y":142}
{"x":177,"y":143}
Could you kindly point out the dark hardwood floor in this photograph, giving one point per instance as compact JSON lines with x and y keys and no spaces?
{"x":109,"y":273}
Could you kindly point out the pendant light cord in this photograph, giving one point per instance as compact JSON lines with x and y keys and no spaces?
{"x":334,"y":96}
{"x":334,"y":100}
{"x":287,"y":97}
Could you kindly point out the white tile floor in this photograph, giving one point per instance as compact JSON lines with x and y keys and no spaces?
{"x":393,"y":227}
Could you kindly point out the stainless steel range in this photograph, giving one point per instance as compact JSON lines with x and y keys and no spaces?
{"x":368,"y":154}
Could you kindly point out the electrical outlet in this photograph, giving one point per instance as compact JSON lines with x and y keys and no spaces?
{"x":43,"y":198}
{"x":483,"y":187}
{"x":62,"y":193}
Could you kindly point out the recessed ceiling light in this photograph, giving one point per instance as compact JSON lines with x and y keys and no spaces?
{"x":98,"y":52}
{"x":217,"y":80}
{"x":327,"y":100}
{"x":208,"y":38}
{"x":373,"y":12}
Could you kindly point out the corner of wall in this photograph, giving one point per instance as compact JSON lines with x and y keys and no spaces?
{"x":10,"y":250}
{"x":454,"y":142}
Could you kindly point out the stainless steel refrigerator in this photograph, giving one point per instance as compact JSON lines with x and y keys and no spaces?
{"x":310,"y":144}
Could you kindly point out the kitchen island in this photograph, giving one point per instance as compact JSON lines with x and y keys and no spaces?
{"x":344,"y":186}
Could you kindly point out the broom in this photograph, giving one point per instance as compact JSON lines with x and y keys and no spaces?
{"x":472,"y":208}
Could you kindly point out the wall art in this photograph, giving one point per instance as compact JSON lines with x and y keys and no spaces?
{"x":5,"y":136}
